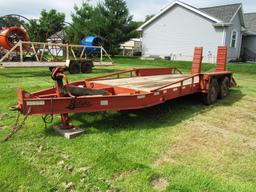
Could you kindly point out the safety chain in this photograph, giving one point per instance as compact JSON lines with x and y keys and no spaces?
{"x":17,"y":126}
{"x":48,"y":119}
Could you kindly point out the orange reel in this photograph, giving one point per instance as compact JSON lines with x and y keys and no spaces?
{"x":12,"y":35}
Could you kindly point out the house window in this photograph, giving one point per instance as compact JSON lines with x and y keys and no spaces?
{"x":233,"y":39}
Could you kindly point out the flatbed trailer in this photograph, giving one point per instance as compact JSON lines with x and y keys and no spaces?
{"x":132,"y":89}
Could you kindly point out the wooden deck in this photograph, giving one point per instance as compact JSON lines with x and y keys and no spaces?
{"x":149,"y":83}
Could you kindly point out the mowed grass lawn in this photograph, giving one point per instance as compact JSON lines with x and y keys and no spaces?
{"x":181,"y":145}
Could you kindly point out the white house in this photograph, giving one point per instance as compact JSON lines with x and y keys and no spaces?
{"x":180,"y":27}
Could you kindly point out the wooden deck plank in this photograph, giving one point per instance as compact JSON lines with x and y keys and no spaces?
{"x":148,"y":83}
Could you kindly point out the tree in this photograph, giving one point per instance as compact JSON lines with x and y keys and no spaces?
{"x":82,"y":22}
{"x":134,"y":25}
{"x":49,"y":23}
{"x":148,"y":17}
{"x":9,"y":21}
{"x":111,"y":21}
{"x":33,"y":30}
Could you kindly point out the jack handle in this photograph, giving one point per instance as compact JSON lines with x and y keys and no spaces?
{"x":58,"y":74}
{"x":55,"y":73}
{"x":67,"y":84}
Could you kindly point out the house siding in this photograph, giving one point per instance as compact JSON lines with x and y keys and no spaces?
{"x":250,"y":43}
{"x":177,"y":32}
{"x":249,"y":47}
{"x":234,"y":53}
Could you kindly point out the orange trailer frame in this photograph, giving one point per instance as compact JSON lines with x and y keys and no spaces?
{"x":132,"y":89}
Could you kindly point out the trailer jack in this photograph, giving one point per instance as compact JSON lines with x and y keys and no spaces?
{"x":66,"y":128}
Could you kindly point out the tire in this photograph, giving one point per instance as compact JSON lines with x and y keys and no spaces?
{"x":224,"y":88}
{"x":212,"y":95}
{"x":86,"y":66}
{"x":74,"y":67}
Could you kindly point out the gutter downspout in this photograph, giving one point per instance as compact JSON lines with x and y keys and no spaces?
{"x":141,"y":44}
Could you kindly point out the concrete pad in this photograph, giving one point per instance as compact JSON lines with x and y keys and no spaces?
{"x":69,"y":133}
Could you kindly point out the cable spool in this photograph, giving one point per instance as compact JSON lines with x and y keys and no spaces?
{"x":11,"y":36}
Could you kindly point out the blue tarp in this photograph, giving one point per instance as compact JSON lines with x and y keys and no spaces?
{"x":92,"y":41}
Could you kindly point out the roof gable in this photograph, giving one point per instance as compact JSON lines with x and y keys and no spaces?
{"x":250,"y":22}
{"x":189,"y":7}
{"x":218,"y":14}
{"x":225,"y":12}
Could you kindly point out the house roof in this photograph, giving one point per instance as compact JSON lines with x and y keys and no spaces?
{"x":250,"y":22}
{"x":217,"y":14}
{"x":183,"y":5}
{"x":225,"y":12}
{"x":58,"y":35}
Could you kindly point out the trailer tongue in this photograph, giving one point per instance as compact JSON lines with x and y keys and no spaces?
{"x":133,"y":89}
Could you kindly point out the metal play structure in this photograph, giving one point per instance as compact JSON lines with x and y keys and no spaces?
{"x":36,"y":54}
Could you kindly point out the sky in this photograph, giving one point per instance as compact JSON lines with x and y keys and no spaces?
{"x":138,"y":8}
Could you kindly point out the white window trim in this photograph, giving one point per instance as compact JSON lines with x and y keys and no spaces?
{"x":231,"y":38}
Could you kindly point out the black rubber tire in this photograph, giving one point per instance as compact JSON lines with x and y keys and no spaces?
{"x":86,"y":66}
{"x":212,"y":95}
{"x":224,"y":88}
{"x":74,"y":67}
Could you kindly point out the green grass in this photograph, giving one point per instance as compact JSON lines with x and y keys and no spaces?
{"x":181,"y":145}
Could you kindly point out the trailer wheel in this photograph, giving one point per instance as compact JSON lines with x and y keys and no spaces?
{"x":86,"y":66}
{"x":212,"y":95}
{"x":224,"y":88}
{"x":74,"y":67}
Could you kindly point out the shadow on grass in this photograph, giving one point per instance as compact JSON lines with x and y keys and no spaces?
{"x":166,"y":114}
{"x":105,"y":70}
